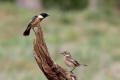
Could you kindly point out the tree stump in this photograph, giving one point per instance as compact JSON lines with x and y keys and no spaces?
{"x":51,"y":70}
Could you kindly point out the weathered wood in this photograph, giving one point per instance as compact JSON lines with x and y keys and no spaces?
{"x":51,"y":70}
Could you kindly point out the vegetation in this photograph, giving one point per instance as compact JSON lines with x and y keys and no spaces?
{"x":91,"y":37}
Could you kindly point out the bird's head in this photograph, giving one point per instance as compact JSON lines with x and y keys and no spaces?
{"x":66,"y":53}
{"x":43,"y":15}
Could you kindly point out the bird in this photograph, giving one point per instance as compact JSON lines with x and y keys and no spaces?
{"x":69,"y":61}
{"x":34,"y":22}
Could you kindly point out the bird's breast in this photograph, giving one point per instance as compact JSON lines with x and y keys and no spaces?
{"x":38,"y":20}
{"x":68,"y":63}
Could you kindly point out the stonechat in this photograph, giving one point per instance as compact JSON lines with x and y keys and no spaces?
{"x":34,"y":22}
{"x":70,"y":62}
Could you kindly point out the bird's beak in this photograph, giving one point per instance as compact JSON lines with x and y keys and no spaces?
{"x":60,"y":53}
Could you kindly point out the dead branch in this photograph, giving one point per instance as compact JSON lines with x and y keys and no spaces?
{"x":51,"y":70}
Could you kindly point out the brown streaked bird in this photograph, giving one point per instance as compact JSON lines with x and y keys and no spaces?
{"x":70,"y":62}
{"x":34,"y":22}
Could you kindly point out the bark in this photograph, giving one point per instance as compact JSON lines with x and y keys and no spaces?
{"x":51,"y":70}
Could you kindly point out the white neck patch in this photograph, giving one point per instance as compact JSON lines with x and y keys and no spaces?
{"x":39,"y":16}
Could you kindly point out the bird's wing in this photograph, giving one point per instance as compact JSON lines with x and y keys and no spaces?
{"x":73,"y":61}
{"x":31,"y":21}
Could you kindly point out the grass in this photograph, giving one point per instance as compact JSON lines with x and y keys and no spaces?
{"x":91,"y":37}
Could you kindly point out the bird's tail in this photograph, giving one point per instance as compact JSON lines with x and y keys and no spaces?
{"x":27,"y":31}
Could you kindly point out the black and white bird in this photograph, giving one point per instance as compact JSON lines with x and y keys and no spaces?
{"x":34,"y":22}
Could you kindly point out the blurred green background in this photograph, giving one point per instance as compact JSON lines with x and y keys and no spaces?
{"x":89,"y":29}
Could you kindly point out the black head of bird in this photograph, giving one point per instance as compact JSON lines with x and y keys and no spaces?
{"x":43,"y":15}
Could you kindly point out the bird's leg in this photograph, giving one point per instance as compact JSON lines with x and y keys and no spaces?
{"x":72,"y":69}
{"x":34,"y":31}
